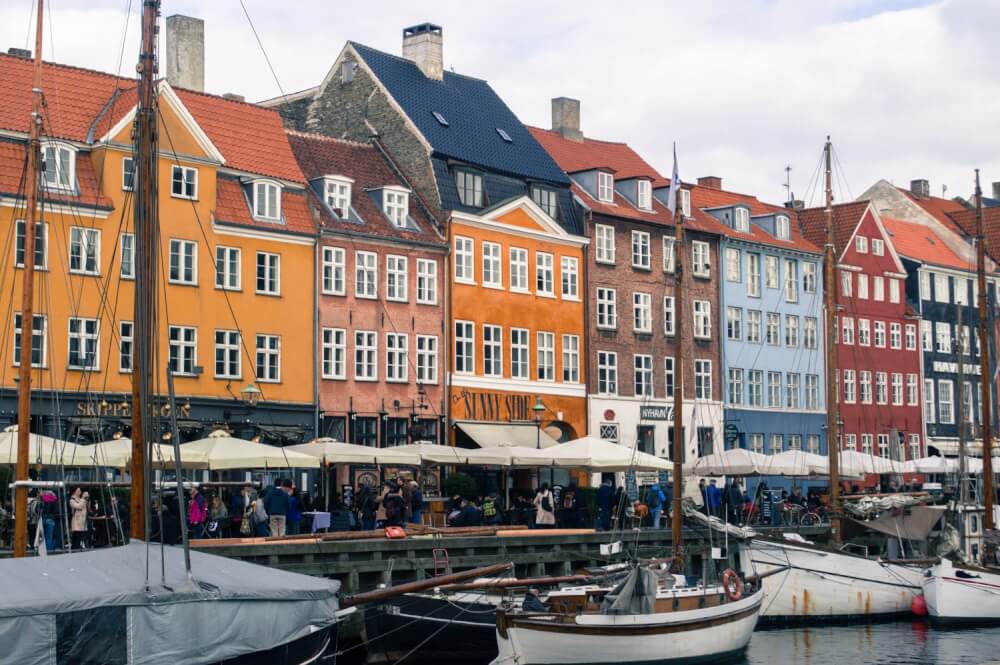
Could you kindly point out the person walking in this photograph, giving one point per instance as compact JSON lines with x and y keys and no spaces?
{"x":368,"y":507}
{"x":545,"y":514}
{"x":78,"y":518}
{"x":416,"y":502}
{"x":197,"y":514}
{"x":293,"y":523}
{"x":735,"y":502}
{"x":713,"y":498}
{"x":393,"y":506}
{"x":604,"y":497}
{"x":276,"y":505}
{"x":703,"y":493}
{"x":655,"y":500}
{"x":218,"y":517}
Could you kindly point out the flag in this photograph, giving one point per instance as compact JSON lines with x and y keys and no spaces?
{"x":675,"y":185}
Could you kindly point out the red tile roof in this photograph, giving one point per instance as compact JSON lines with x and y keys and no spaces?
{"x":321,"y":156}
{"x":937,"y":207}
{"x":965,"y":219}
{"x":920,"y":243}
{"x":575,"y":156}
{"x":12,"y":163}
{"x":232,"y":206}
{"x":709,"y":197}
{"x":846,"y":217}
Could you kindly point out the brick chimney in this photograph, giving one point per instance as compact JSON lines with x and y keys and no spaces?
{"x":566,"y":118}
{"x":921,"y":188}
{"x":424,"y":45}
{"x":19,"y":52}
{"x":710,"y":181}
{"x":186,"y":52}
{"x":232,"y":96}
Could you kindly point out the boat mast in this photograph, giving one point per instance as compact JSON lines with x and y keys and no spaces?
{"x":832,"y":398}
{"x":27,"y":299}
{"x":676,"y":537}
{"x":985,"y":376}
{"x":963,"y":464}
{"x":146,"y":240}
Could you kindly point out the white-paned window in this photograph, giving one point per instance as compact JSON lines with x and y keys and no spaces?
{"x":39,"y":349}
{"x":397,"y":351}
{"x":519,"y":354}
{"x":334,"y":343}
{"x":183,"y":262}
{"x":269,"y":358}
{"x":396,"y":205}
{"x":644,"y":194}
{"x":569,"y":275}
{"x":547,"y":199}
{"x":776,"y":444}
{"x":946,"y":402}
{"x":791,"y":280}
{"x":268,"y":273}
{"x":58,"y":166}
{"x":941,"y":288}
{"x":753,"y":325}
{"x":881,"y":388}
{"x":338,"y":195}
{"x":41,"y":244}
{"x":734,"y":323}
{"x":773,"y":328}
{"x":365,"y":355}
{"x":84,"y":250}
{"x":492,"y":350}
{"x":812,"y":391}
{"x":927,"y":335}
{"x":605,"y":243}
{"x":470,"y":188}
{"x":897,"y":388}
{"x":753,"y":275}
{"x":878,"y":247}
{"x":809,"y":279}
{"x":227,"y":354}
{"x":543,"y":274}
{"x":810,"y":332}
{"x":427,"y":281}
{"x":396,"y":278}
{"x":864,"y":332}
{"x":642,"y":312}
{"x":771,"y":272}
{"x":267,"y":201}
{"x":640,"y":249}
{"x":755,"y":387}
{"x":878,"y":288}
{"x":733,"y":264}
{"x":846,"y":282}
{"x":702,"y":319}
{"x":464,"y":261}
{"x":607,"y":310}
{"x":895,"y":335}
{"x":861,"y":244}
{"x":911,"y":337}
{"x":735,"y":395}
{"x":851,"y":442}
{"x":607,"y":373}
{"x":571,"y":358}
{"x":792,"y":390}
{"x":791,"y":330}
{"x":518,"y":269}
{"x":365,"y":274}
{"x":643,"y":366}
{"x":915,"y":446}
{"x":774,"y":390}
{"x":703,"y":379}
{"x":427,"y":359}
{"x":795,"y":442}
{"x":227,"y":268}
{"x":669,"y":320}
{"x":492,"y":272}
{"x":929,"y":403}
{"x":668,"y":377}
{"x":925,"y":285}
{"x":605,"y":187}
{"x":128,"y":256}
{"x":668,"y":254}
{"x":865,"y":383}
{"x":942,"y":337}
{"x":701,"y":259}
{"x":465,"y":347}
{"x":183,"y":349}
{"x":961,"y":291}
{"x":782,"y":228}
{"x":757,"y":443}
{"x":850,"y":386}
{"x":880,"y":334}
{"x":546,"y":356}
{"x":863,"y":286}
{"x":184,"y":182}
{"x":334,"y":271}
{"x":84,"y":343}
{"x":686,"y":202}
{"x":742,"y":221}
{"x":126,"y":339}
{"x":911,"y":390}
{"x":812,"y":443}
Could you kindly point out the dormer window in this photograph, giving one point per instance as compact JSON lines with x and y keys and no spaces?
{"x":396,"y":205}
{"x":644,"y":194}
{"x":742,"y":222}
{"x":605,"y":187}
{"x":470,"y":188}
{"x":686,"y":202}
{"x":338,"y":194}
{"x":782,"y":228}
{"x":59,"y":163}
{"x":267,"y":200}
{"x":547,"y":200}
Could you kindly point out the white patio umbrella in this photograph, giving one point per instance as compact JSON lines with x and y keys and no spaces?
{"x":117,"y":453}
{"x":854,"y":463}
{"x":41,"y":448}
{"x":796,"y":463}
{"x":600,"y":455}
{"x":338,"y":452}
{"x":222,"y":451}
{"x":494,"y":456}
{"x":975,"y":465}
{"x":732,"y":462}
{"x":934,"y":464}
{"x":421,"y":454}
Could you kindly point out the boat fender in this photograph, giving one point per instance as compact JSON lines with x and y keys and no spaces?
{"x":919,"y":606}
{"x":733,"y":585}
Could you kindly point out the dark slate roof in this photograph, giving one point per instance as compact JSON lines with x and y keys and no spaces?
{"x":473,"y":112}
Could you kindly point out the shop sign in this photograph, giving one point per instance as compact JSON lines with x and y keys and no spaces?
{"x":483,"y":405}
{"x":124,"y":409}
{"x":650,"y":412}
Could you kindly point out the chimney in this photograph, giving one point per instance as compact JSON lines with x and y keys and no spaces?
{"x":19,"y":52}
{"x":710,"y":181}
{"x":920,"y":188}
{"x":566,"y":118}
{"x":996,"y":191}
{"x":424,"y":45}
{"x":186,"y":52}
{"x":795,"y":204}
{"x":234,"y":97}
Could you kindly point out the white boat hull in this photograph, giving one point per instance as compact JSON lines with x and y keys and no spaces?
{"x":821,"y":584}
{"x":955,"y":595}
{"x":701,"y":635}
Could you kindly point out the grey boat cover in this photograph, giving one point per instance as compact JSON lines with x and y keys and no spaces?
{"x":93,"y":607}
{"x":635,"y":595}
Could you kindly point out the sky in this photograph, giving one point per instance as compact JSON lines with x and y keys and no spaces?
{"x":906,"y":88}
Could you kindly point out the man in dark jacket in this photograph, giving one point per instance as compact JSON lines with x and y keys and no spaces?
{"x":605,"y":495}
{"x":276,"y":505}
{"x":735,"y":502}
{"x":713,"y":498}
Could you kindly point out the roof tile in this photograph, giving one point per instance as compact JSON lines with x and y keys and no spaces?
{"x":920,"y":243}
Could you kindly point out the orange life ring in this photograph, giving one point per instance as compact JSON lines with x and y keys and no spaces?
{"x":733,"y":585}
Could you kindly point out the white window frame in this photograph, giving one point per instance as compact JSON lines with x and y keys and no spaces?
{"x":365,"y":275}
{"x":126,"y":346}
{"x":774,"y":388}
{"x":812,"y":391}
{"x":607,"y":373}
{"x":607,"y":308}
{"x":793,"y":390}
{"x":337,"y":194}
{"x":427,"y":281}
{"x":519,"y":274}
{"x":397,"y":278}
{"x":333,"y":280}
{"x":571,"y":359}
{"x":465,"y":261}
{"x":605,"y":187}
{"x":772,"y":332}
{"x":465,"y":347}
{"x":809,"y":276}
{"x":492,"y":270}
{"x":397,"y":357}
{"x":878,"y":247}
{"x":520,"y":353}
{"x":642,"y":375}
{"x":733,"y":272}
{"x":183,"y":261}
{"x":545,"y":274}
{"x":791,"y":280}
{"x":396,"y":205}
{"x":65,"y":165}
{"x":754,"y":326}
{"x":42,"y":335}
{"x":644,"y":194}
{"x":772,"y":271}
{"x":569,"y":277}
{"x":896,"y":389}
{"x":641,"y":255}
{"x":89,"y":343}
{"x":755,"y":388}
{"x":864,"y":332}
{"x":702,"y":379}
{"x":753,"y":275}
{"x":910,"y":337}
{"x":734,"y":394}
{"x":782,"y":227}
{"x":642,"y":312}
{"x":271,"y":193}
{"x":469,"y":185}
{"x":427,"y":359}
{"x":272,"y":274}
{"x":365,"y":355}
{"x":271,"y":358}
{"x":930,"y":406}
{"x":702,"y":319}
{"x":669,"y":256}
{"x":84,"y":246}
{"x":669,"y":377}
{"x":188,"y":185}
{"x":225,"y":279}
{"x":791,"y":330}
{"x":850,"y":386}
{"x":946,"y":400}
{"x":741,"y":220}
{"x":604,"y":236}
{"x":184,"y":348}
{"x":861,"y":244}
{"x":545,"y":361}
{"x":41,"y":242}
{"x":701,"y":259}
{"x":492,"y":349}
{"x":669,"y":316}
{"x":231,"y":352}
{"x":810,"y":333}
{"x":333,"y":362}
{"x":878,"y":331}
{"x":878,"y":288}
{"x":734,"y":323}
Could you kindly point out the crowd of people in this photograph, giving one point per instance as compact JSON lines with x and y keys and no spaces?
{"x":80,"y":521}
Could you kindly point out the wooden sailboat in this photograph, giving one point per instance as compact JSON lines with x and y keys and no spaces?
{"x":962,"y":593}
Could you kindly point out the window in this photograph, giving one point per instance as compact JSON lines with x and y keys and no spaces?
{"x":668,"y":254}
{"x":427,"y":281}
{"x":58,"y":166}
{"x":911,"y":390}
{"x":946,"y":403}
{"x":791,"y":280}
{"x":878,"y":247}
{"x":492,"y":273}
{"x":911,"y":337}
{"x":269,"y":273}
{"x":605,"y":243}
{"x":942,"y":337}
{"x":809,"y":333}
{"x":734,"y":323}
{"x":753,"y":275}
{"x":607,"y":373}
{"x":865,"y":381}
{"x":492,"y":350}
{"x":929,"y":400}
{"x":735,"y":396}
{"x":518,"y":269}
{"x":571,"y":358}
{"x":866,"y":444}
{"x":643,"y":375}
{"x":883,"y":440}
{"x":609,"y":432}
{"x":881,"y":387}
{"x":396,"y":431}
{"x":268,"y":358}
{"x":125,"y":345}
{"x":925,"y":285}
{"x":227,"y":268}
{"x":519,"y":368}
{"x":605,"y":187}
{"x":640,"y":250}
{"x":607,"y":315}
{"x":470,"y":188}
{"x":365,"y":355}
{"x":183,"y":349}
{"x":84,"y":341}
{"x":644,"y":195}
{"x":569,"y":274}
{"x":927,"y":335}
{"x":915,"y":446}
{"x":703,"y":379}
{"x":791,"y":330}
{"x":880,"y":334}
{"x":184,"y":182}
{"x":941,"y":288}
{"x":776,"y":443}
{"x":464,"y":263}
{"x":546,"y":359}
{"x":755,"y":388}
{"x":812,"y":391}
{"x":396,"y":278}
{"x":38,"y":333}
{"x":771,"y":272}
{"x":642,"y":312}
{"x":792,"y":390}
{"x":733,"y":265}
{"x":897,"y":389}
{"x":669,"y":319}
{"x":809,"y":276}
{"x":742,"y":220}
{"x":686,"y":202}
{"x":701,"y":259}
{"x":753,"y":326}
{"x":128,"y":256}
{"x":334,"y":345}
{"x":397,"y":349}
{"x":465,"y":347}
{"x":84,"y":250}
{"x":966,"y":400}
{"x":334,"y":270}
{"x":795,"y":442}
{"x":863,"y":286}
{"x":861,"y":244}
{"x":878,"y":288}
{"x":267,"y":201}
{"x":427,"y":359}
{"x":365,"y":431}
{"x":668,"y":377}
{"x":850,"y":386}
{"x":543,"y":274}
{"x":702,"y":319}
{"x":963,"y":343}
{"x":845,"y":283}
{"x":395,"y":205}
{"x":365,"y":274}
{"x":338,"y":195}
{"x":773,"y":328}
{"x":547,"y":200}
{"x":851,"y":442}
{"x":774,"y":390}
{"x":183,"y":262}
{"x":961,"y":291}
{"x":757,"y":443}
{"x":864,"y":332}
{"x":227,"y":354}
{"x":812,"y":443}
{"x":41,"y":244}
{"x":782,"y":228}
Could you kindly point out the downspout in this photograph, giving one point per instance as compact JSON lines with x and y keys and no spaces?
{"x":447,"y":332}
{"x":316,"y":333}
{"x":588,"y":225}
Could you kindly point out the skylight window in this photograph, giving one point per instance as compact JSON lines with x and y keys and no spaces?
{"x":440,"y":119}
{"x":504,"y":135}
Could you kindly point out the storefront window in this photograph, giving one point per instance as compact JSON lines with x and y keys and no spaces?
{"x":334,"y":427}
{"x":396,"y":431}
{"x":366,"y":431}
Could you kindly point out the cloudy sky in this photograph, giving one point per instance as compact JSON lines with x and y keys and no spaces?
{"x":907,"y":88}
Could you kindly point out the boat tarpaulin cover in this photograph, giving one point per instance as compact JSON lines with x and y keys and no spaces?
{"x":635,"y":595}
{"x":915,"y":524}
{"x":93,"y":606}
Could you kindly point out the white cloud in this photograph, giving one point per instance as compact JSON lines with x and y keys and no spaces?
{"x":905,"y":88}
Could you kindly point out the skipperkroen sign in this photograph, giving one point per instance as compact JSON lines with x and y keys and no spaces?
{"x":656,"y":413}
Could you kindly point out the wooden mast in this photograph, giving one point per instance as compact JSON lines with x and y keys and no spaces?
{"x":985,"y":376}
{"x":147,"y":241}
{"x":27,"y":299}
{"x":676,"y":518}
{"x":832,"y":398}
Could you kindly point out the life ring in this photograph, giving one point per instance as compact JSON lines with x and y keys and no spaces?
{"x":733,"y":585}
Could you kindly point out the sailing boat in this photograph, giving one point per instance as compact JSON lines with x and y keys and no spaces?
{"x":654,"y":614}
{"x":829,"y":582}
{"x":956,"y":592}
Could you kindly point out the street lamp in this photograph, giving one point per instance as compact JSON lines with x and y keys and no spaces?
{"x":537,"y":410}
{"x":250,"y":394}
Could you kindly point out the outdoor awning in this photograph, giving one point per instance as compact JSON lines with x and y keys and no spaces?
{"x":490,"y":435}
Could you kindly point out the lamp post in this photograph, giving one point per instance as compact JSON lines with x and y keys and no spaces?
{"x":537,"y":410}
{"x":250,"y":394}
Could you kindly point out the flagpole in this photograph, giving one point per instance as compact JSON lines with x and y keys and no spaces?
{"x":677,"y":211}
